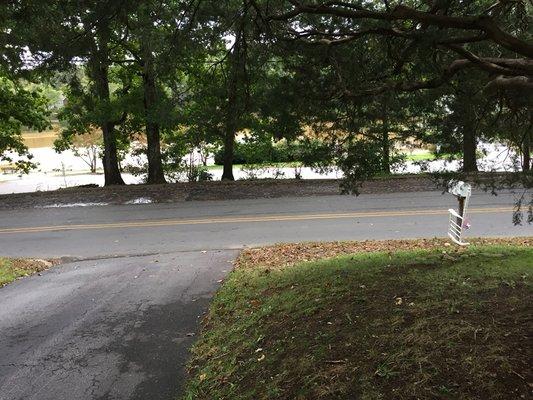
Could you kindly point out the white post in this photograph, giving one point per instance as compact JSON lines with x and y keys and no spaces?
{"x":462,"y":191}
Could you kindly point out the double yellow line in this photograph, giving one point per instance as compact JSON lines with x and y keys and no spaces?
{"x":243,"y":219}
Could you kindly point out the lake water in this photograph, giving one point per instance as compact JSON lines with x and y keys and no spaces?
{"x":58,"y":170}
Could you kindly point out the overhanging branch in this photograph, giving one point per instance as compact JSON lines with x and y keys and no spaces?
{"x":482,"y":23}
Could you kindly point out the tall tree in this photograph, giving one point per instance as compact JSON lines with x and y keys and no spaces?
{"x":58,"y":36}
{"x":160,"y":38}
{"x":19,"y":106}
{"x":225,"y":78}
{"x":99,"y":62}
{"x":236,"y":80}
{"x":143,"y":42}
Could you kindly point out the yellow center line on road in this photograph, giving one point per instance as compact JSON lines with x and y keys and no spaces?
{"x":243,"y":219}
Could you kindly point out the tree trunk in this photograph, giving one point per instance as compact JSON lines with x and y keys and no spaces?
{"x":229,"y":145}
{"x":469,"y":150}
{"x":155,"y":165}
{"x":231,"y":125}
{"x":99,"y":69}
{"x":385,"y":143}
{"x":230,"y":131}
{"x":526,"y":152}
{"x":93,"y":157}
{"x":110,"y":159}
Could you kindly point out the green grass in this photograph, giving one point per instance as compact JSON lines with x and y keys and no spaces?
{"x":12,"y":269}
{"x":429,"y":156}
{"x":7,"y":273}
{"x":426,"y":156}
{"x":437,"y":324}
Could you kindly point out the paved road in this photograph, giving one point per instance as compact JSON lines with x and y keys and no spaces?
{"x":113,"y":322}
{"x":166,"y":228}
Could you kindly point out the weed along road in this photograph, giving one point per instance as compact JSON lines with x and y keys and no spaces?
{"x":115,"y":319}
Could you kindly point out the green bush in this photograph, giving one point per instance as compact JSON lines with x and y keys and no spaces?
{"x":263,"y":152}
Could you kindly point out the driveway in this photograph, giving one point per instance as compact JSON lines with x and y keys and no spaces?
{"x":105,"y":329}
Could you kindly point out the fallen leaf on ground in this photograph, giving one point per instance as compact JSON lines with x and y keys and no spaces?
{"x":287,"y":254}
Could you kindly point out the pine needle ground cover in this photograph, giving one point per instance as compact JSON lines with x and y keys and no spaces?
{"x":436,"y":323}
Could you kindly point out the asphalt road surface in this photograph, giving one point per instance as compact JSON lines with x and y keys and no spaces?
{"x":115,"y":320}
{"x":106,"y":329}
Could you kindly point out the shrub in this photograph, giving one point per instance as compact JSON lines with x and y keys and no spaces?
{"x":263,"y":152}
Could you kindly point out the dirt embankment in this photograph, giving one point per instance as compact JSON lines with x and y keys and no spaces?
{"x":178,"y":192}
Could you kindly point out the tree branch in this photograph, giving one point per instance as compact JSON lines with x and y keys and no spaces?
{"x":483,"y":23}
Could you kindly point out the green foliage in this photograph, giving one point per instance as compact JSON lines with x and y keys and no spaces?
{"x":264,"y":150}
{"x":359,"y":160}
{"x":78,"y":114}
{"x":181,"y":158}
{"x":83,"y":113}
{"x":180,"y":153}
{"x":19,"y":108}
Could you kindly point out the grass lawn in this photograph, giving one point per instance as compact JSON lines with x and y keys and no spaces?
{"x":430,"y":156}
{"x":12,"y":269}
{"x":425,"y":156}
{"x":437,"y":323}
